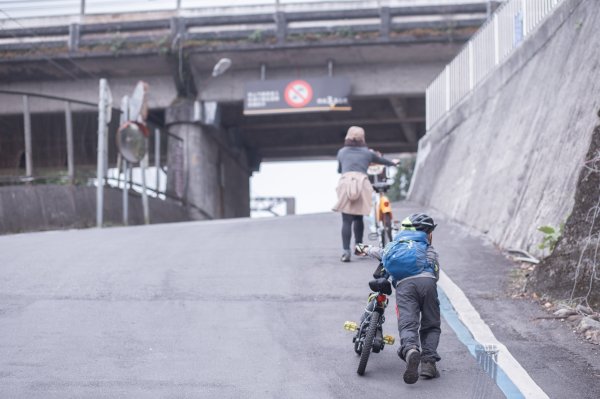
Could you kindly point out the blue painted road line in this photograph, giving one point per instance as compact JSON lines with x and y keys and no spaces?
{"x":491,"y":354}
{"x":475,"y":348}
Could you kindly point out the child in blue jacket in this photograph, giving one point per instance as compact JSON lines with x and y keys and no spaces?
{"x":416,"y":298}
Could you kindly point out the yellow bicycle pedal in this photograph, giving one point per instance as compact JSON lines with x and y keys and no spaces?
{"x":350,"y":326}
{"x":389,"y":340}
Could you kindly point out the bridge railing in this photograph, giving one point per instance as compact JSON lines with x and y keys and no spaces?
{"x":512,"y":22}
{"x":343,"y":20}
{"x":42,"y":8}
{"x":45,"y":8}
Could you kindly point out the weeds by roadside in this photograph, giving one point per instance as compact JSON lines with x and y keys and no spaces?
{"x":581,"y":319}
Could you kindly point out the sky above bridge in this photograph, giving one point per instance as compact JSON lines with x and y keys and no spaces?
{"x":311,"y":183}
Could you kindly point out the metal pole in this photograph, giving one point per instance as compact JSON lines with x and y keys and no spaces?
{"x":263,"y":71}
{"x":290,"y":206}
{"x":119,"y":164}
{"x":82,"y":8}
{"x":496,"y":41}
{"x":125,"y":192}
{"x":471,"y":67}
{"x":427,"y":109}
{"x":124,"y":117}
{"x":447,"y":76}
{"x":100,"y":161}
{"x":143,"y":167}
{"x":157,"y":157}
{"x":525,"y":24}
{"x":27,"y":126}
{"x":70,"y":152}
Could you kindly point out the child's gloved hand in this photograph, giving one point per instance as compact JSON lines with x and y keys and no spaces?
{"x":361,"y":249}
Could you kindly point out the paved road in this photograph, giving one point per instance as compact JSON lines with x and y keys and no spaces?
{"x":244,"y":309}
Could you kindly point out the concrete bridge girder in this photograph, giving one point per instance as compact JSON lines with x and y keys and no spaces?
{"x":368,"y":80}
{"x":161,"y":95}
{"x":375,"y":69}
{"x":369,"y":77}
{"x":376,"y":85}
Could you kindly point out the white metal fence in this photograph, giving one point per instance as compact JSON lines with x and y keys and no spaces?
{"x":512,"y":22}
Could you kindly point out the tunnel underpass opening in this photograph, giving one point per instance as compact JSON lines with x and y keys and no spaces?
{"x":392,"y":125}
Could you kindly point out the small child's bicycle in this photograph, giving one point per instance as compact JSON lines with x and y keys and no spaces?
{"x":369,"y":332}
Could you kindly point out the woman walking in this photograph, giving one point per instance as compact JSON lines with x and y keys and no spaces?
{"x":354,"y":190}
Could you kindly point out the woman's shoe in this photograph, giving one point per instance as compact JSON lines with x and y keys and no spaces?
{"x":345,"y":256}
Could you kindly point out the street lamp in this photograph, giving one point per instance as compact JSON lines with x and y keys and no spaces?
{"x":220,"y":67}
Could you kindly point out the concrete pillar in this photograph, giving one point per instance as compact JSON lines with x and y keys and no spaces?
{"x":74,"y":37}
{"x":209,"y":176}
{"x":281,"y":27}
{"x":386,"y":21}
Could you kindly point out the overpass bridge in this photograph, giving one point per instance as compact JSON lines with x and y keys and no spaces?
{"x":388,"y":52}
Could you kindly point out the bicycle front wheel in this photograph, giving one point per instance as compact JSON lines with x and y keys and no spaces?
{"x":387,"y":228}
{"x":368,"y":343}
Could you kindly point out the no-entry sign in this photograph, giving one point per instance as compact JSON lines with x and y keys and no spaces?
{"x":296,"y":95}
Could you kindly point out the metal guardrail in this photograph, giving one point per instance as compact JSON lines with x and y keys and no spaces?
{"x":41,"y":8}
{"x":489,"y":47}
{"x":50,"y":8}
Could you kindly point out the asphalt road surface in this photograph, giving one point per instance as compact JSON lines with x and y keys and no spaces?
{"x":246,"y":309}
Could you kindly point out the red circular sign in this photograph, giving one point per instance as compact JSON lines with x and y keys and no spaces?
{"x":298,"y":93}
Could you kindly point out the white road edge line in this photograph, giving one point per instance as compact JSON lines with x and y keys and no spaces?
{"x":483,"y":334}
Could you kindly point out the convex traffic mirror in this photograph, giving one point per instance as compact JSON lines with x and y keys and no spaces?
{"x":132,"y":141}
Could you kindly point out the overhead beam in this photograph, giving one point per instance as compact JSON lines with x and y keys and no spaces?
{"x":331,"y":148}
{"x":307,"y":124}
{"x":295,"y":155}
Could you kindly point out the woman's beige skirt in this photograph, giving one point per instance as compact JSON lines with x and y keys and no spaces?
{"x":354,"y":194}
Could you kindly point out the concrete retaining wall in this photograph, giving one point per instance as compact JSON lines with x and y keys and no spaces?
{"x":506,"y":160}
{"x":47,"y":207}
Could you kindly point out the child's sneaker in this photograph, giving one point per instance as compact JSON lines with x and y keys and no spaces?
{"x":413,"y":358}
{"x":429,"y":370}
